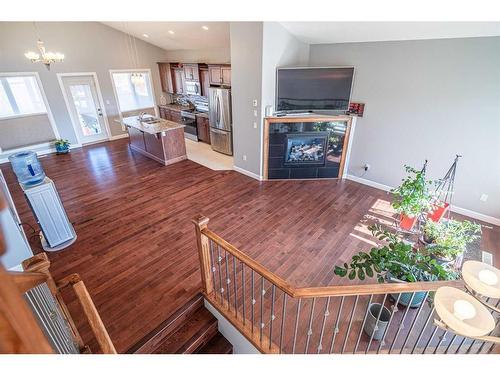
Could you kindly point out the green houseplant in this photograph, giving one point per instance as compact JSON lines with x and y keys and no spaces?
{"x":62,"y":146}
{"x":395,"y":261}
{"x":448,"y":238}
{"x":413,"y":197}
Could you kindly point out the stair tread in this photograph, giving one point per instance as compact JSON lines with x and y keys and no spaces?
{"x":217,"y":345}
{"x":151,"y":341}
{"x":194,"y":333}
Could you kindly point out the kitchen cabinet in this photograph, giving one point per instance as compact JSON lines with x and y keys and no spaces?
{"x":220,"y":75}
{"x":175,"y":116}
{"x":154,"y":145}
{"x":166,"y":77}
{"x":205,"y":82}
{"x":136,"y":138}
{"x":164,"y":113}
{"x":203,"y":126}
{"x":178,"y":76}
{"x":191,"y":72}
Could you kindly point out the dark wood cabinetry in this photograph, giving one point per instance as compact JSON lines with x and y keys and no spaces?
{"x":191,"y":72}
{"x":203,"y":129}
{"x":205,"y":82}
{"x":165,"y":77}
{"x":136,"y":138}
{"x":220,"y":75}
{"x":178,"y":75}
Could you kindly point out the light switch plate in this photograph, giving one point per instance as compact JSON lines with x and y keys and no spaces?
{"x":255,"y":112}
{"x":255,"y":102}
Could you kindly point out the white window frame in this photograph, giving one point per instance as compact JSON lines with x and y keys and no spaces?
{"x":146,"y":70}
{"x":44,"y":98}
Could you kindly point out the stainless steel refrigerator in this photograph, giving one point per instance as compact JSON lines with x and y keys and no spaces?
{"x":221,"y":124}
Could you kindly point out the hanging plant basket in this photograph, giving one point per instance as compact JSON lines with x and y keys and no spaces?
{"x":438,"y":211}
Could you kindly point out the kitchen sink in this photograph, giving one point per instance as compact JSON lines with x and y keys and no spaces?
{"x":151,"y":120}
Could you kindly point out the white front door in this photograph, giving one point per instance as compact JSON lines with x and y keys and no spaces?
{"x":85,"y":108}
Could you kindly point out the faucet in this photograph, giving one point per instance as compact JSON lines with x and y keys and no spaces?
{"x":141,"y":116}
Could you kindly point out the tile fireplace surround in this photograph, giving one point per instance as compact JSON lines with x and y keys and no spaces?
{"x":305,"y":147}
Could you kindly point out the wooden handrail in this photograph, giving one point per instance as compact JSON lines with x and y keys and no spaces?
{"x":90,"y":311}
{"x":326,"y":291}
{"x":27,"y":280}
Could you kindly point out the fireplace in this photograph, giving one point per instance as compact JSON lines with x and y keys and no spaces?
{"x":305,"y":148}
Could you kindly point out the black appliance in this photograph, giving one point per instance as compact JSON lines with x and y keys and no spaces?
{"x":188,"y":119}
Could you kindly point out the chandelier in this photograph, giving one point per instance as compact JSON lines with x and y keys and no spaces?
{"x":44,"y":57}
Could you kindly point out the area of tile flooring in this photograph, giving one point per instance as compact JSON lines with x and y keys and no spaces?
{"x":203,"y":154}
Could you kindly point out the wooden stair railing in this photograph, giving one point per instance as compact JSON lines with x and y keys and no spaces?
{"x":25,"y":329}
{"x":277,"y":317}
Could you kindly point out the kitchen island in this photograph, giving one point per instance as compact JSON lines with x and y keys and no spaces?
{"x":158,"y":139}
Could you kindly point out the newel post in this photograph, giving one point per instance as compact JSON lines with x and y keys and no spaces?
{"x":200,"y":223}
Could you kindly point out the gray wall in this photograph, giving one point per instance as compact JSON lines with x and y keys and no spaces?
{"x":210,"y":56}
{"x":246,"y":85}
{"x":427,"y":99}
{"x":26,"y":130}
{"x":89,"y":47}
{"x":257,"y":49}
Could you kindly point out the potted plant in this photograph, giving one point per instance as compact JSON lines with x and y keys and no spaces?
{"x":447,"y":239}
{"x":412,"y":198}
{"x":62,"y":146}
{"x":396,"y":261}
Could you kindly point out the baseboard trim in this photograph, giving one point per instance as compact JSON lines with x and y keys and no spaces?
{"x":458,"y":210}
{"x":247,"y":173}
{"x":119,"y":136}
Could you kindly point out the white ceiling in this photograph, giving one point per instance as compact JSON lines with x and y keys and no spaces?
{"x":344,"y":32}
{"x":187,"y":35}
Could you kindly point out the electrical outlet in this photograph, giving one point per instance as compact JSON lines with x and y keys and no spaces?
{"x":255,"y":125}
{"x":366,"y":167}
{"x":244,"y":157}
{"x":254,"y":102}
{"x":255,"y":113}
{"x":484,"y":197}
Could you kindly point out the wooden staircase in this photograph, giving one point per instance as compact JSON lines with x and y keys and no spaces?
{"x":192,"y":329}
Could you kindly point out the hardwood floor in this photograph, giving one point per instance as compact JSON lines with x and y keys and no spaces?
{"x":136,"y":249}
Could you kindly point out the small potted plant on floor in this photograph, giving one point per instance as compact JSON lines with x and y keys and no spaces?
{"x":413,"y":197}
{"x":62,"y":146}
{"x":448,"y":239}
{"x":395,"y":261}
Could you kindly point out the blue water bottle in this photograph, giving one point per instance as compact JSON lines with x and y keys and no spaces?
{"x":27,"y":168}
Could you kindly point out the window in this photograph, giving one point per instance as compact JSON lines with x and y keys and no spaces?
{"x":133,"y":90}
{"x":20,"y":96}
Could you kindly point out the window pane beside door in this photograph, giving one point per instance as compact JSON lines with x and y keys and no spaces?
{"x":86,"y":109}
{"x":133,"y":90}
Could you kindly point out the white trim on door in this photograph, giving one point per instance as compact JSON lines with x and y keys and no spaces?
{"x":60,"y":77}
{"x":147,"y":70}
{"x":44,"y":97}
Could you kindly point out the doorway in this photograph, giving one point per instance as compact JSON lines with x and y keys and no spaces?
{"x":84,"y":102}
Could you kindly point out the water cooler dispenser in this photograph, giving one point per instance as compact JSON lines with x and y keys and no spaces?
{"x":56,"y":230}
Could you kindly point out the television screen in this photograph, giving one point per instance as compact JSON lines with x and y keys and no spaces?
{"x":309,"y":89}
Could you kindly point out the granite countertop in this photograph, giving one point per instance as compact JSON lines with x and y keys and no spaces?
{"x":178,"y":107}
{"x":160,"y":127}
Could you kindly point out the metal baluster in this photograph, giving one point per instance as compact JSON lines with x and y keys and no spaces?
{"x":262,"y":292}
{"x":51,"y":316}
{"x":235,"y":289}
{"x":221,"y":288}
{"x":309,"y":330}
{"x":394,"y":309}
{"x":296,"y":325}
{"x":450,"y":344}
{"x":350,"y":324}
{"x":474,"y":341}
{"x":273,"y":294}
{"x":228,"y":281}
{"x":443,"y":338}
{"x":212,"y":263}
{"x":243,"y":291}
{"x":60,"y":320}
{"x":336,"y":327}
{"x":460,"y":346}
{"x":325,"y":316}
{"x":253,"y":299}
{"x":401,"y":324}
{"x":423,"y":329}
{"x":283,"y":314}
{"x":484,"y":342}
{"x":414,"y":321}
{"x":430,"y":339}
{"x":363,"y":324}
{"x":376,"y":323}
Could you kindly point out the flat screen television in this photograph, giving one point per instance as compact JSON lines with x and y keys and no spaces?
{"x":313,"y":89}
